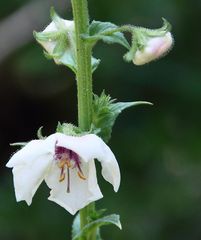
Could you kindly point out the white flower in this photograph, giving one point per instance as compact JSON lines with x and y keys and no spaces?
{"x":58,"y":40}
{"x":66,"y":27}
{"x":155,"y":47}
{"x":66,"y":163}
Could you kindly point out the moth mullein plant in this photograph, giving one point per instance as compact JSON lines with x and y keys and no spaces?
{"x":65,"y":160}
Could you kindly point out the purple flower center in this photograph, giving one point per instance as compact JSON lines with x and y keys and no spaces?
{"x":66,"y":160}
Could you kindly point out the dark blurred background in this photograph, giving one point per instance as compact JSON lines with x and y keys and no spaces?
{"x":158,"y":148}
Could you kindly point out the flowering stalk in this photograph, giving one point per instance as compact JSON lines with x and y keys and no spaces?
{"x":84,"y":83}
{"x":69,"y":153}
{"x":84,"y":69}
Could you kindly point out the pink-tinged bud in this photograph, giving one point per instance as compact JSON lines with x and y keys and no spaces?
{"x":155,"y":48}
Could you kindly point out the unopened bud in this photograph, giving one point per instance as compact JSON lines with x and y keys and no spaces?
{"x":54,"y":35}
{"x":155,"y":48}
{"x":149,"y":44}
{"x":58,"y":40}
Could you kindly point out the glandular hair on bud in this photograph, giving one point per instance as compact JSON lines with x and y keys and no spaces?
{"x":155,"y":48}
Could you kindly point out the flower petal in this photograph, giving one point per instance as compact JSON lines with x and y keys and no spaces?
{"x":90,"y":147}
{"x":110,"y":167}
{"x":29,"y":153}
{"x":27,"y":178}
{"x":82,"y":192}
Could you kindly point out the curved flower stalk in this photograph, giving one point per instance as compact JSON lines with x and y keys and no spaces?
{"x":66,"y":163}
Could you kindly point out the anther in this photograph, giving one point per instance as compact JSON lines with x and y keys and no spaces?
{"x":61,"y":163}
{"x":62,"y":175}
{"x":81,"y":175}
{"x":68,"y":163}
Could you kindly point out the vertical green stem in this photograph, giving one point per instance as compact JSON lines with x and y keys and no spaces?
{"x":84,"y":85}
{"x":84,"y":69}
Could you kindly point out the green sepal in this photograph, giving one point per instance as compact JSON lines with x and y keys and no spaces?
{"x":39,"y":133}
{"x":18,"y":144}
{"x":87,"y":229}
{"x":60,"y":47}
{"x":105,"y":31}
{"x":96,"y":214}
{"x":22,"y":144}
{"x":69,"y":129}
{"x":166,"y":27}
{"x":46,"y":36}
{"x":56,"y":19}
{"x":47,"y":55}
{"x":105,"y":112}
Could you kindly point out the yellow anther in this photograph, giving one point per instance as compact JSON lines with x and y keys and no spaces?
{"x":68,"y":163}
{"x":81,"y":176}
{"x":61,"y":163}
{"x":62,"y":177}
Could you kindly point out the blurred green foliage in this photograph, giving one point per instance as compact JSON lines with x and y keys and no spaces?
{"x":158,"y":148}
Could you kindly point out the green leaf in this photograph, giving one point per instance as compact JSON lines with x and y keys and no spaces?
{"x":106,"y":111}
{"x":105,"y":31}
{"x":107,"y":220}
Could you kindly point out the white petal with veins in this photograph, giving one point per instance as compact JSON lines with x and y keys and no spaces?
{"x":82,"y":192}
{"x":27,"y":178}
{"x":30,"y":152}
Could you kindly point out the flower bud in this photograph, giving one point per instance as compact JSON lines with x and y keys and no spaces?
{"x":58,"y":40}
{"x":149,"y":44}
{"x":155,"y":48}
{"x":53,"y":34}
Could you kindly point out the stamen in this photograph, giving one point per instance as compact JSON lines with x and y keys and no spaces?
{"x":67,"y":160}
{"x":62,"y":175}
{"x":68,"y":180}
{"x":68,"y":163}
{"x":81,"y":175}
{"x":61,"y":163}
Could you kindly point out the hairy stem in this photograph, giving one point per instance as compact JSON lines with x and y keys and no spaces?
{"x":84,"y":68}
{"x":84,"y":86}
